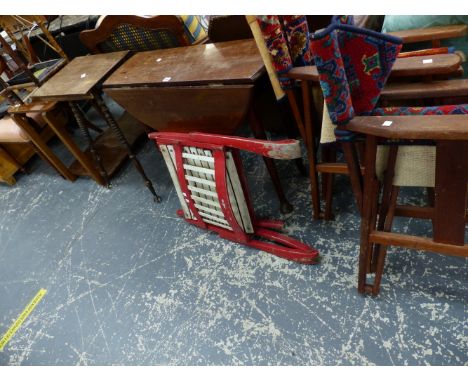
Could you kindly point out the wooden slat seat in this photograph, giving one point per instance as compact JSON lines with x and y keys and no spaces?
{"x":436,"y":127}
{"x":431,"y":34}
{"x":432,"y":89}
{"x":403,"y":67}
{"x":416,"y":66}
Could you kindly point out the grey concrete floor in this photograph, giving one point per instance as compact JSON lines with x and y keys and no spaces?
{"x":130,"y":283}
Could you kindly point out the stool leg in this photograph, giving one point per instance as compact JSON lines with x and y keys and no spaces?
{"x":311,"y":152}
{"x":382,"y":249}
{"x":352,"y":161}
{"x":328,"y":155}
{"x":369,"y":199}
{"x":116,"y":129}
{"x":387,"y":195}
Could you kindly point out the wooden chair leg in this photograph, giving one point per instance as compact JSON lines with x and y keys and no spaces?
{"x":307,"y":139}
{"x":369,"y":199}
{"x":386,"y":197}
{"x":450,"y":192}
{"x":311,"y":152}
{"x":382,"y":249}
{"x":328,"y":155}
{"x":354,"y":170}
{"x":430,"y":196}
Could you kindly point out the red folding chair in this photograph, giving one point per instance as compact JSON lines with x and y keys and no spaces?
{"x":208,"y":176}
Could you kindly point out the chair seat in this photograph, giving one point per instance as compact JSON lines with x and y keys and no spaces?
{"x":41,"y":71}
{"x":421,"y":127}
{"x":11,"y":132}
{"x":424,"y":110}
{"x":432,"y":89}
{"x":444,"y":122}
{"x":433,"y":33}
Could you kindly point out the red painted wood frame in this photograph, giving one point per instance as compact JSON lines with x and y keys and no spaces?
{"x":278,"y":244}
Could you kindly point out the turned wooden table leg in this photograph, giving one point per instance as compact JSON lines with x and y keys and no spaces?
{"x":103,"y":177}
{"x":116,"y":129}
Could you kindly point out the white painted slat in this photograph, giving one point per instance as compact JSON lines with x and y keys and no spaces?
{"x":218,"y":224}
{"x":198,"y":157}
{"x":236,"y":195}
{"x":209,"y":210}
{"x":200,"y":180}
{"x":208,"y":165}
{"x":188,"y":173}
{"x":170,"y":163}
{"x":201,"y":170}
{"x":214,"y":218}
{"x":197,"y":163}
{"x":206,"y":201}
{"x":203,"y":191}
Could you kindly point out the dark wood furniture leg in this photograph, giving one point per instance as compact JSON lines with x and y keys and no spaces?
{"x":450,"y":192}
{"x":309,"y":140}
{"x":387,"y":194}
{"x":354,"y":170}
{"x":68,"y":141}
{"x":380,"y":250}
{"x":83,"y":124}
{"x":116,"y":129}
{"x":41,"y":148}
{"x":369,"y":201}
{"x":259,"y":133}
{"x":329,"y":156}
{"x":291,"y":131}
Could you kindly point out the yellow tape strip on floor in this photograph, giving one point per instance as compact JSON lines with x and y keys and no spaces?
{"x":21,"y":318}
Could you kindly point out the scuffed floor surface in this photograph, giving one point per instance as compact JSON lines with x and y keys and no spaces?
{"x":130,"y":283}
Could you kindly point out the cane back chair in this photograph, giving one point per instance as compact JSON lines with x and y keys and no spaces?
{"x":135,"y":33}
{"x":208,"y":176}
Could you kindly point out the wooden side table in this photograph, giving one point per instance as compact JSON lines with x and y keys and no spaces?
{"x":81,"y":80}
